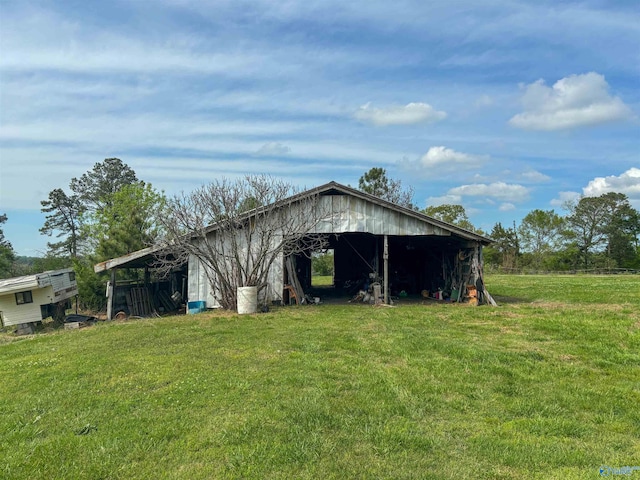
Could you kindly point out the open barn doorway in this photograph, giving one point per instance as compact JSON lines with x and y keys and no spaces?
{"x":349,"y":263}
{"x":322,"y":268}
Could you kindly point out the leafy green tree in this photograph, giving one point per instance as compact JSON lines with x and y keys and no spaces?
{"x":129,"y":221}
{"x":376,"y":182}
{"x":91,"y":286}
{"x":248,"y":203}
{"x":49,"y":262}
{"x":622,"y":230}
{"x":605,"y":224}
{"x":96,"y":187}
{"x":540,"y":234}
{"x":69,"y":215}
{"x":64,"y":220}
{"x":24,"y":265}
{"x":585,"y":230}
{"x":322,"y":264}
{"x":453,"y":214}
{"x":7,"y":255}
{"x":107,"y":215}
{"x":505,"y":251}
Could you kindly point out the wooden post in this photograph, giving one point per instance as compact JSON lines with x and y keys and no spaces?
{"x":385,"y":257}
{"x":148,"y":303}
{"x":111,"y":288}
{"x":377,"y":294}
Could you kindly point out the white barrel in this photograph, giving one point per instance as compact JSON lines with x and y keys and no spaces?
{"x":247,"y":300}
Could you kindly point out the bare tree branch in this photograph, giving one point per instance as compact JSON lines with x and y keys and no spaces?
{"x":238,"y":229}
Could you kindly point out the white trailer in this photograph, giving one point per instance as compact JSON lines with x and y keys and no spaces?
{"x":29,"y":299}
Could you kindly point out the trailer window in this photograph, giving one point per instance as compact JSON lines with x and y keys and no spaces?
{"x":24,"y":297}
{"x":72,"y":276}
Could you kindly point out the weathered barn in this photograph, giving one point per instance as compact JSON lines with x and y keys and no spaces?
{"x":373,"y":240}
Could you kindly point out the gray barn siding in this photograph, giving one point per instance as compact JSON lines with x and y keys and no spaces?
{"x":351,"y":214}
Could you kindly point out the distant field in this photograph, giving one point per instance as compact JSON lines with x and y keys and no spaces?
{"x":322,"y":280}
{"x":544,"y":386}
{"x":608,"y":289}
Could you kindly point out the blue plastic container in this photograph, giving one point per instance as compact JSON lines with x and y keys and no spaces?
{"x":196,"y":307}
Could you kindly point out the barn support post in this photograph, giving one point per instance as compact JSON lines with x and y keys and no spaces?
{"x":385,"y":257}
{"x":111,"y":289}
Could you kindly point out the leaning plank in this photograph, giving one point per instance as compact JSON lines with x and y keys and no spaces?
{"x":293,"y":278}
{"x":489,"y":298}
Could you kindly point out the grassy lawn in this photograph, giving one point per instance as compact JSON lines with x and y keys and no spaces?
{"x":545,"y":386}
{"x":322,"y":280}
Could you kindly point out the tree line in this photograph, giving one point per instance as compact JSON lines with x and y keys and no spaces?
{"x":596,"y":233}
{"x":108,"y":212}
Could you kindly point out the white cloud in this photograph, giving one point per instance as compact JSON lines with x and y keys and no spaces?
{"x":534,"y":176}
{"x":564,"y":197}
{"x":507,"y":207}
{"x":497,"y":190}
{"x":272,"y":149}
{"x":528,"y":176}
{"x":446,"y":157}
{"x":627,"y":183}
{"x":399,"y":115}
{"x":574,"y":101}
{"x":441,"y":161}
{"x":444,"y":200}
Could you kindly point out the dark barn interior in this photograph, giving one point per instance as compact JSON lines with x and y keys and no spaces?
{"x":417,"y":265}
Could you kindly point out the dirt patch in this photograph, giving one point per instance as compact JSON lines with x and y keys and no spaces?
{"x":510,"y":330}
{"x":507,"y":314}
{"x":547,"y":304}
{"x":565,"y":357}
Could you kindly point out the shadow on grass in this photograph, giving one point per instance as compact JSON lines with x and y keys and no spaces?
{"x":503,"y":299}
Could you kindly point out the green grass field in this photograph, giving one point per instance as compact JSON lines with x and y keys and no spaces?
{"x":545,"y":386}
{"x":322,"y":280}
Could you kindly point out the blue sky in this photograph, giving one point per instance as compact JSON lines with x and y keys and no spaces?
{"x":501,"y":106}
